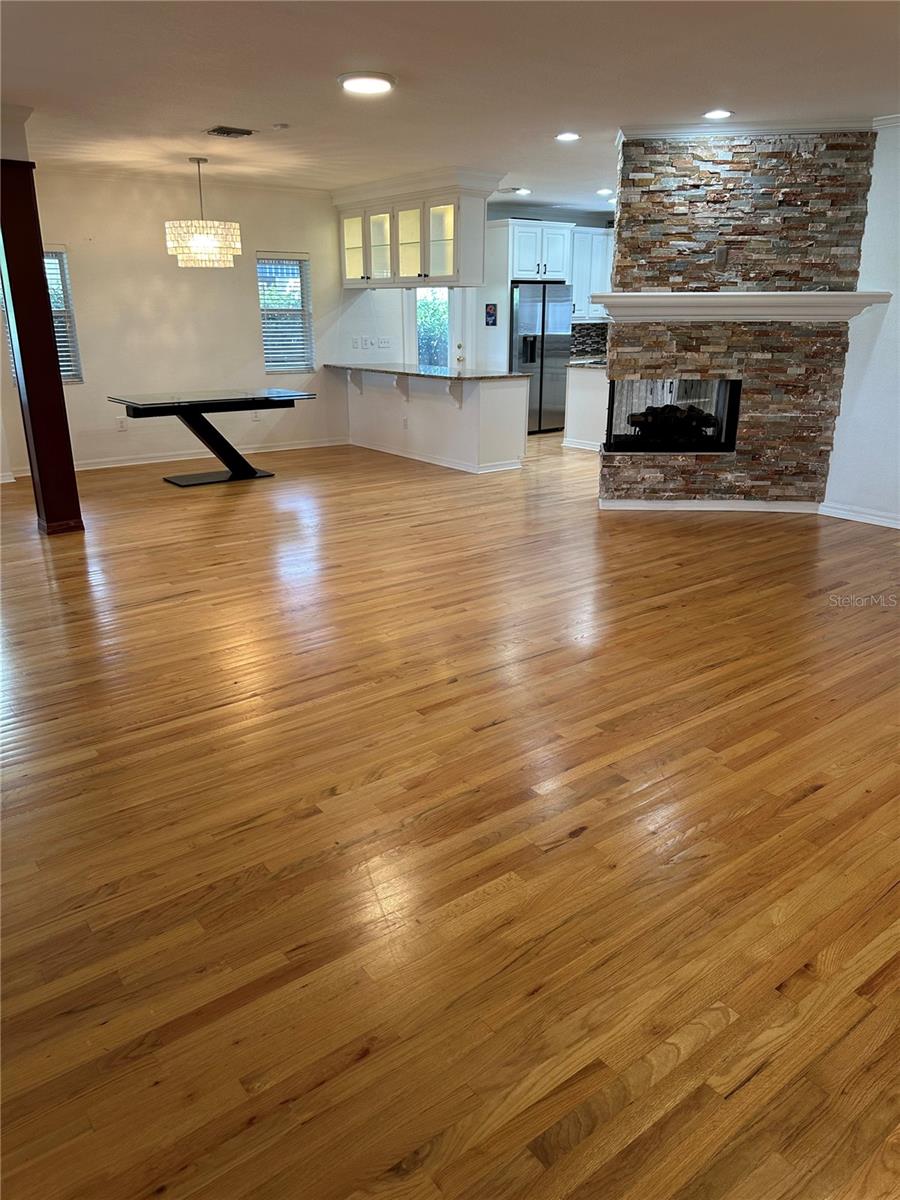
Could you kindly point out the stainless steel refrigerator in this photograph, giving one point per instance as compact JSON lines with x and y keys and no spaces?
{"x":540,"y":346}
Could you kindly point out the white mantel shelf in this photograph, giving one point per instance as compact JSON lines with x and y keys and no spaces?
{"x":629,"y":308}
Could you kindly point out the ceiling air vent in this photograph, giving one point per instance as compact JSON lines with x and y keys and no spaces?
{"x":229,"y":131}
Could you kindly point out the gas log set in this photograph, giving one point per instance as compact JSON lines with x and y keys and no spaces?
{"x":676,"y":415}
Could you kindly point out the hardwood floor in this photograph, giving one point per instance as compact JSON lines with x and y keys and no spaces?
{"x":382,"y":831}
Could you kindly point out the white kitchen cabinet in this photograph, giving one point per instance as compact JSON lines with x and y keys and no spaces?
{"x":440,"y":221}
{"x":556,"y":252}
{"x":591,"y":265}
{"x":525,"y":250}
{"x":601,"y":270}
{"x":409,"y":225}
{"x":540,"y":250}
{"x":399,"y":234}
{"x":354,"y":264}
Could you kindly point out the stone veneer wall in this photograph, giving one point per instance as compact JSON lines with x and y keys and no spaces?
{"x":790,"y":211}
{"x":791,"y":392}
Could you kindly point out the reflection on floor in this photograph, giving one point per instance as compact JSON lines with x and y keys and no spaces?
{"x":381,"y":830}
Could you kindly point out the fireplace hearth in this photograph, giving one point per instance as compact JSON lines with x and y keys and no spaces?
{"x":679,"y":416}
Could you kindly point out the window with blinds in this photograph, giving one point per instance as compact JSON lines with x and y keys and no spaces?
{"x":56,"y":269}
{"x":285,"y":312}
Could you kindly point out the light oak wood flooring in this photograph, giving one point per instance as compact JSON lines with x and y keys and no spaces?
{"x":382,"y":831}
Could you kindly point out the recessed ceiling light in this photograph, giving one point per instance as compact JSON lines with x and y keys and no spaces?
{"x":718,"y":114}
{"x":366,"y":83}
{"x":604,"y":191}
{"x":523,"y":191}
{"x":568,"y":137}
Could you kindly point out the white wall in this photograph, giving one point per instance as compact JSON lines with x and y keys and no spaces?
{"x":864,"y":475}
{"x":146,"y":325}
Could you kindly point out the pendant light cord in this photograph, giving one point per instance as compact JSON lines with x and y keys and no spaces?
{"x":200,"y":189}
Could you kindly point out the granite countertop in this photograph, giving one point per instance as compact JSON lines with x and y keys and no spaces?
{"x":593,"y":363}
{"x":426,"y":372}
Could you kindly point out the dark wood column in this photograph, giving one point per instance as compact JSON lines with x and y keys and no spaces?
{"x":34,"y":350}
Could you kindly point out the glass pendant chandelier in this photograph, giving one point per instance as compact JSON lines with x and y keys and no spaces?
{"x":203,"y":243}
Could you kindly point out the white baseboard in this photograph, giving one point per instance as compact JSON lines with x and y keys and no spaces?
{"x":451,"y":463}
{"x":779,"y":506}
{"x":868,"y":516}
{"x":7,"y":477}
{"x":136,"y":460}
{"x":580,"y":444}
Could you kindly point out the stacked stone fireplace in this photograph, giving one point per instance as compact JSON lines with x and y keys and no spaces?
{"x":739,"y":213}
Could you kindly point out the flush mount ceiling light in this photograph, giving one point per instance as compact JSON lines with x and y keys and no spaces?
{"x":203,"y":243}
{"x":604,"y":191}
{"x":367,"y":83}
{"x":718,"y":114}
{"x":568,"y":136}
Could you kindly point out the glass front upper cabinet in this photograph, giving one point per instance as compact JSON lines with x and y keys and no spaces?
{"x":409,"y":242}
{"x":353,"y":248}
{"x":380,"y":245}
{"x":441,"y":240}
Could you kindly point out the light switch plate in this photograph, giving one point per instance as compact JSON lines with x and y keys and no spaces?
{"x":384,"y":343}
{"x":354,"y":342}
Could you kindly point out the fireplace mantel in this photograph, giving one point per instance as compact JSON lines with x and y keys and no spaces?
{"x":629,"y":308}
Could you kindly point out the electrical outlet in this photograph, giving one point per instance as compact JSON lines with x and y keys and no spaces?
{"x":384,"y":343}
{"x":122,"y":423}
{"x":365,"y":342}
{"x":254,"y":416}
{"x":354,"y":342}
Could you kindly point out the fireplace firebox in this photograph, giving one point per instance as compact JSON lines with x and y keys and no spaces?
{"x":679,"y":416}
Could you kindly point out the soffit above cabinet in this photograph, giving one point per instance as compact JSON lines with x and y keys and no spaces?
{"x":430,"y":183}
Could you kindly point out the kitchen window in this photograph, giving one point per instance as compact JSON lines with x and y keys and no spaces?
{"x":59,"y":288}
{"x":285,"y":312}
{"x":433,"y":326}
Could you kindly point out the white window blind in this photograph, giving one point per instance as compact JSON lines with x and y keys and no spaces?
{"x":56,"y":268}
{"x":285,"y":312}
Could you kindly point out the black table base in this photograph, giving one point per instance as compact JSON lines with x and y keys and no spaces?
{"x":238,"y":466}
{"x":189,"y":408}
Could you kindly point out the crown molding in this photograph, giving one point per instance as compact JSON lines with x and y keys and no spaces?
{"x":731,"y":129}
{"x":886,"y":122}
{"x":630,"y":308}
{"x":452,"y":179}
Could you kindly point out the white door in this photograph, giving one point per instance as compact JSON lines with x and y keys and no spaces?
{"x":601,"y":268}
{"x":525,"y":258}
{"x":582,"y":245}
{"x":556,"y":254}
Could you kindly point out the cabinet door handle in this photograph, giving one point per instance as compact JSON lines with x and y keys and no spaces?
{"x":537,"y":268}
{"x":545,"y":268}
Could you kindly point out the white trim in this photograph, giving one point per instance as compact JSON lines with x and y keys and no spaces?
{"x":779,"y":506}
{"x":7,"y":477}
{"x":886,"y":122}
{"x":452,"y":464}
{"x":580,"y":444}
{"x":868,"y":516}
{"x":626,"y":308}
{"x":137,"y":460}
{"x":738,"y":129}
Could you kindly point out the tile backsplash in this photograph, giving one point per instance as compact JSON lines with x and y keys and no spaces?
{"x":589,"y":339}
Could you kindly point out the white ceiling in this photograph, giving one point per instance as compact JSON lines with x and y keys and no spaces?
{"x":481,"y":85}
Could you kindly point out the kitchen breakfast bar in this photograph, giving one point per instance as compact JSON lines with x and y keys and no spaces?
{"x":468,"y":420}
